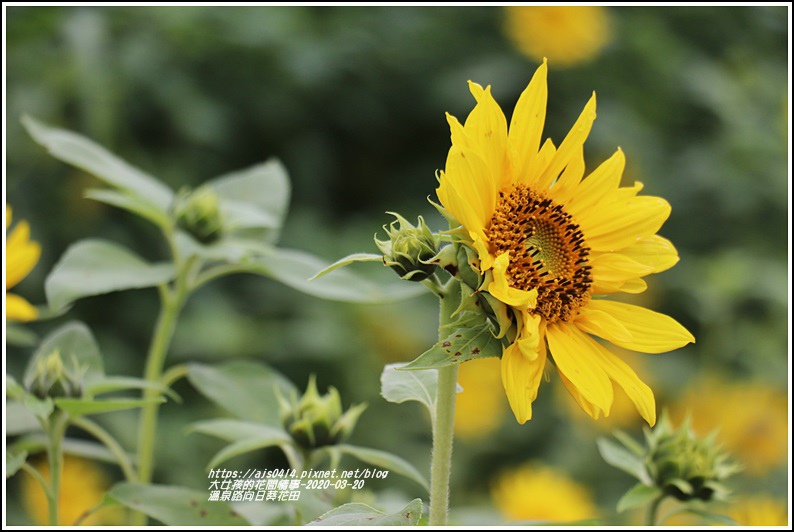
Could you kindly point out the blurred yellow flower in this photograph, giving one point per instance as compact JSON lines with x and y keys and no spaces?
{"x":752,"y":419}
{"x":566,"y":35}
{"x":759,"y":511}
{"x":535,"y":492}
{"x":552,"y":240}
{"x":22,"y":254}
{"x":478,"y":410}
{"x":83,"y":484}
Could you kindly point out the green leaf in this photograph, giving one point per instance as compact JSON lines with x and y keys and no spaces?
{"x":232,"y":429}
{"x":639,"y":495}
{"x":92,"y":267}
{"x":14,"y":462}
{"x":466,"y":343}
{"x":116,"y":384}
{"x":629,"y":443}
{"x":18,"y":335}
{"x":78,"y":351}
{"x":130,"y":203}
{"x":175,"y":505}
{"x":254,"y":199}
{"x":400,"y":386}
{"x":273,"y":438}
{"x":83,"y":407}
{"x":13,"y":389}
{"x":83,"y":153}
{"x":359,"y":514}
{"x":20,"y":420}
{"x":618,"y":457}
{"x":350,"y":259}
{"x":295,"y":268}
{"x":711,"y":518}
{"x":41,"y":408}
{"x":246,"y":389}
{"x":385,"y":461}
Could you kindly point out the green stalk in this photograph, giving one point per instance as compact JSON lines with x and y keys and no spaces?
{"x":653,"y":511}
{"x":56,"y":432}
{"x":443,"y":423}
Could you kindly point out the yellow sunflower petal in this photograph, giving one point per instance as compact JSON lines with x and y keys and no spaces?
{"x":574,"y":359}
{"x":486,"y":129}
{"x":600,"y":182}
{"x":621,"y":224}
{"x":570,"y":145}
{"x":622,"y":375}
{"x":501,"y":289}
{"x":598,"y":322}
{"x":526,"y":124}
{"x":611,"y":270}
{"x":521,"y":378}
{"x":592,"y":410}
{"x":565,"y":187}
{"x":453,"y":201}
{"x":8,"y":216}
{"x":22,"y":254}
{"x":471,"y":179}
{"x":18,"y":309}
{"x":542,"y":161}
{"x":654,"y":251}
{"x":651,"y":331}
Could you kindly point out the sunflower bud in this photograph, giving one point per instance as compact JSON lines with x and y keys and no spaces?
{"x":409,"y":249}
{"x":53,"y":378}
{"x":198,"y":212}
{"x":685,"y":466}
{"x":315,"y":420}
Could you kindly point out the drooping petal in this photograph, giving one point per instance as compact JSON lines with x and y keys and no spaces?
{"x":622,"y":375}
{"x":526,"y":124}
{"x":651,"y":331}
{"x":468,"y":174}
{"x":570,"y":145}
{"x":500,"y":286}
{"x":521,"y":378}
{"x":22,"y":254}
{"x":574,"y":359}
{"x":452,"y":200}
{"x":592,"y":410}
{"x":18,"y":309}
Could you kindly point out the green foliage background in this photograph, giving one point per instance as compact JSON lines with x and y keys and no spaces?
{"x":352,"y":101}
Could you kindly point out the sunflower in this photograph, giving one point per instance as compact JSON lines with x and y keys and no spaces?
{"x":551,"y":244}
{"x":22,"y":254}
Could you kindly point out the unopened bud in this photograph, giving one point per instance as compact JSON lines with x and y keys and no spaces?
{"x":198,"y":212}
{"x":410,"y":249}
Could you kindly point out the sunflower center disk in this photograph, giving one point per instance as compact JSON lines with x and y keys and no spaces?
{"x":547,"y":251}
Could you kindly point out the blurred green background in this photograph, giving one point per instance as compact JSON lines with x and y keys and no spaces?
{"x":352,"y":101}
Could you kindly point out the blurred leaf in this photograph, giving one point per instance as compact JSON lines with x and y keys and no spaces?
{"x":350,"y":259}
{"x":92,"y":267}
{"x":466,"y":343}
{"x":13,"y":388}
{"x":14,"y":462}
{"x":622,"y":459}
{"x":117,"y":384}
{"x":246,"y":389}
{"x":83,"y":153}
{"x":175,"y":505}
{"x":254,"y":198}
{"x":83,"y":407}
{"x":400,"y":386}
{"x":639,"y":495}
{"x":232,"y":429}
{"x":78,"y":350}
{"x":268,"y":438}
{"x":19,"y":420}
{"x":19,"y":335}
{"x":385,"y":461}
{"x":712,"y":518}
{"x":359,"y":514}
{"x":295,"y":268}
{"x":130,"y":203}
{"x":629,"y":443}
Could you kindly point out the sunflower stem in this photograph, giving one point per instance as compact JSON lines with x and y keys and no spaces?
{"x":653,"y":511}
{"x":443,"y":424}
{"x":56,"y":429}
